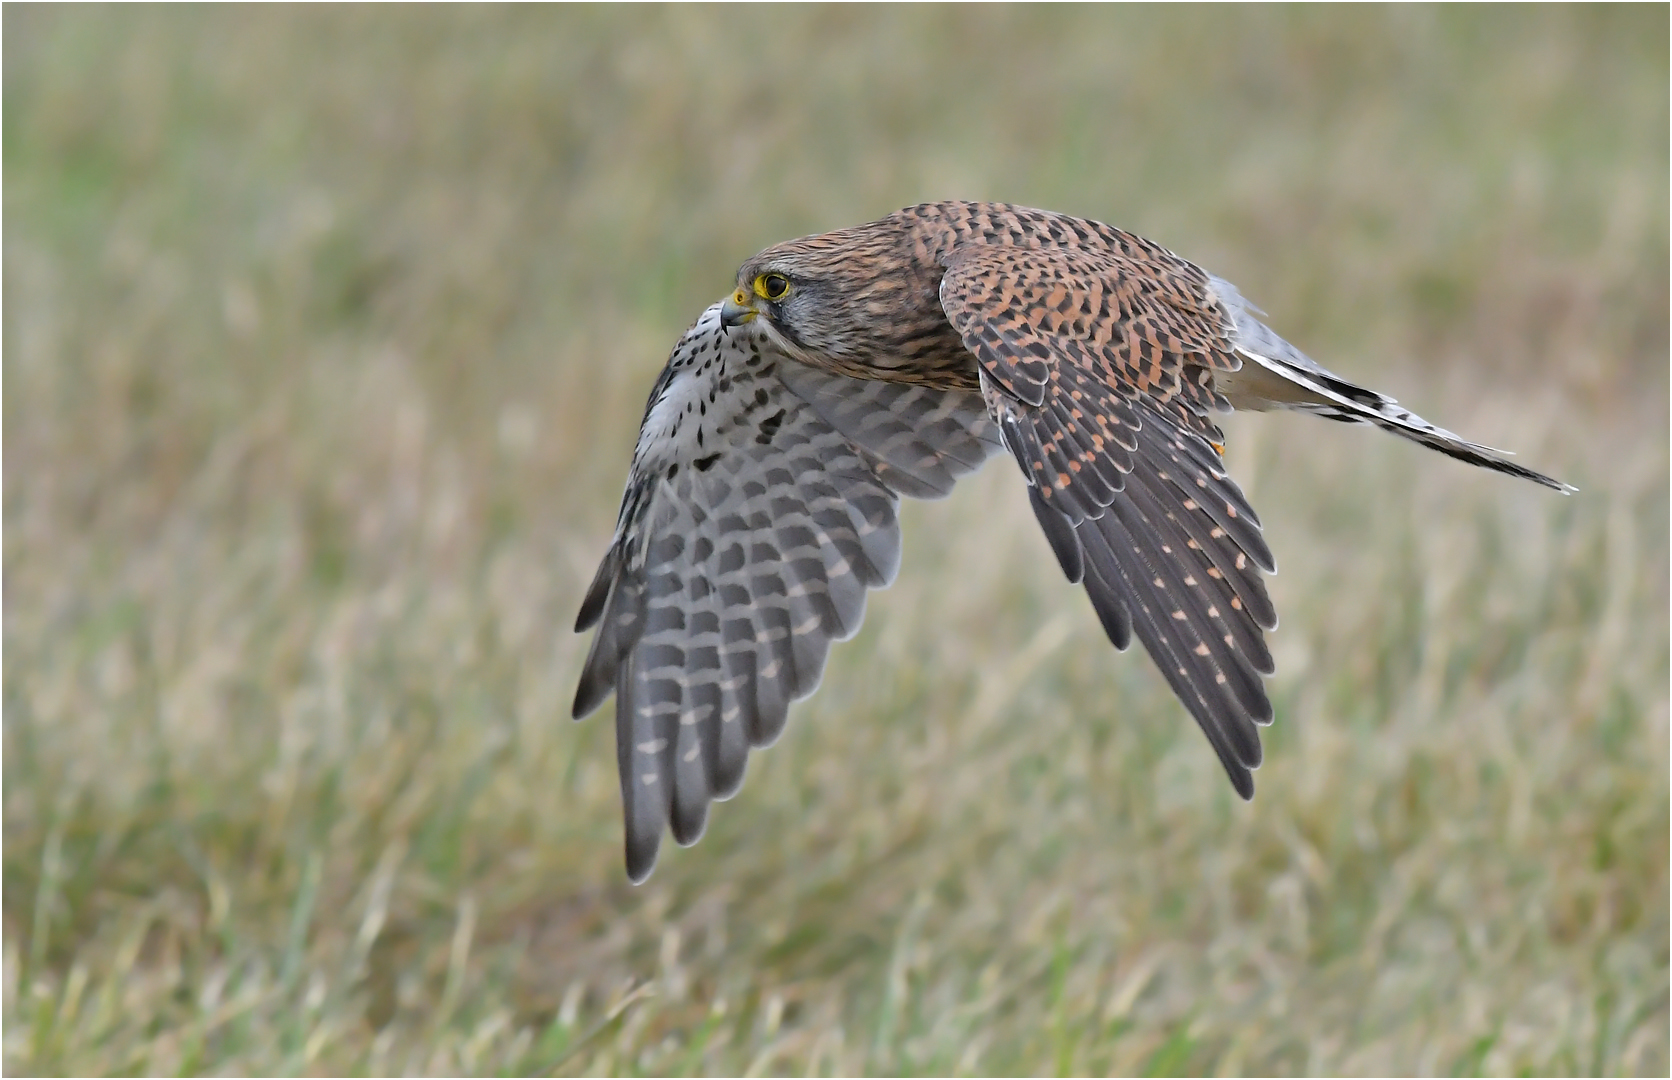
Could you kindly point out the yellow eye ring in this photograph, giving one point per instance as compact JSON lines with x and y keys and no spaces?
{"x":772,"y":287}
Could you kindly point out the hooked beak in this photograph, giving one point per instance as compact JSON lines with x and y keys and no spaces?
{"x":736,"y":310}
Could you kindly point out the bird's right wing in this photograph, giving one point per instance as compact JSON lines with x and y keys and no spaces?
{"x":1098,"y":371}
{"x":759,"y":508}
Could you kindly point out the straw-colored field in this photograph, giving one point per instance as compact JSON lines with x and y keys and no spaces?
{"x":326,"y":336}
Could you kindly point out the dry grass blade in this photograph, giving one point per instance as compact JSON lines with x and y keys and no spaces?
{"x":325,"y":335}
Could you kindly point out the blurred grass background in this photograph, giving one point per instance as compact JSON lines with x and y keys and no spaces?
{"x":326,"y":334}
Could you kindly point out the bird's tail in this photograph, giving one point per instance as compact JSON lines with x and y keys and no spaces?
{"x":1276,"y":375}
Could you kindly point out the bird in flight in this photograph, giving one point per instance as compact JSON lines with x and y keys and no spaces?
{"x":889,"y":359}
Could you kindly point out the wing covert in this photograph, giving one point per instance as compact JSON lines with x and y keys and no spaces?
{"x":1146,"y":328}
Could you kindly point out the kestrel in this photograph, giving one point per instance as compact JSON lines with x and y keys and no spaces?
{"x":888,"y":359}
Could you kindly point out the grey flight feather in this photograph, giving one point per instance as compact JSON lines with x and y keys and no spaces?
{"x":759,"y":509}
{"x":1166,"y":548}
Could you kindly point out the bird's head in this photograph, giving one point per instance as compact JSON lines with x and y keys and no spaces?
{"x":841,"y":297}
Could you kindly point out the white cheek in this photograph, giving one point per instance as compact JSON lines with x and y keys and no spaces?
{"x":810,"y":343}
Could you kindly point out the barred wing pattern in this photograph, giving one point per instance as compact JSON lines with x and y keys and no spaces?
{"x":759,"y":509}
{"x":1157,"y":559}
{"x":1102,"y":389}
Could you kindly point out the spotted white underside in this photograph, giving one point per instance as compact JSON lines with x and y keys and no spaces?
{"x":759,"y":509}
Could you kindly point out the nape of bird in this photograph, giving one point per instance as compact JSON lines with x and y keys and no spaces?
{"x":889,"y":359}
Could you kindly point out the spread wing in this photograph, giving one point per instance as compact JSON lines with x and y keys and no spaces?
{"x":1098,"y":369}
{"x":759,"y":509}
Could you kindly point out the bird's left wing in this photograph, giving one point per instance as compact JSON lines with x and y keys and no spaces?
{"x":759,"y":508}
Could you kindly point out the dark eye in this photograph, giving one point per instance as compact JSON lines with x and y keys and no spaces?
{"x":774,"y":286}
